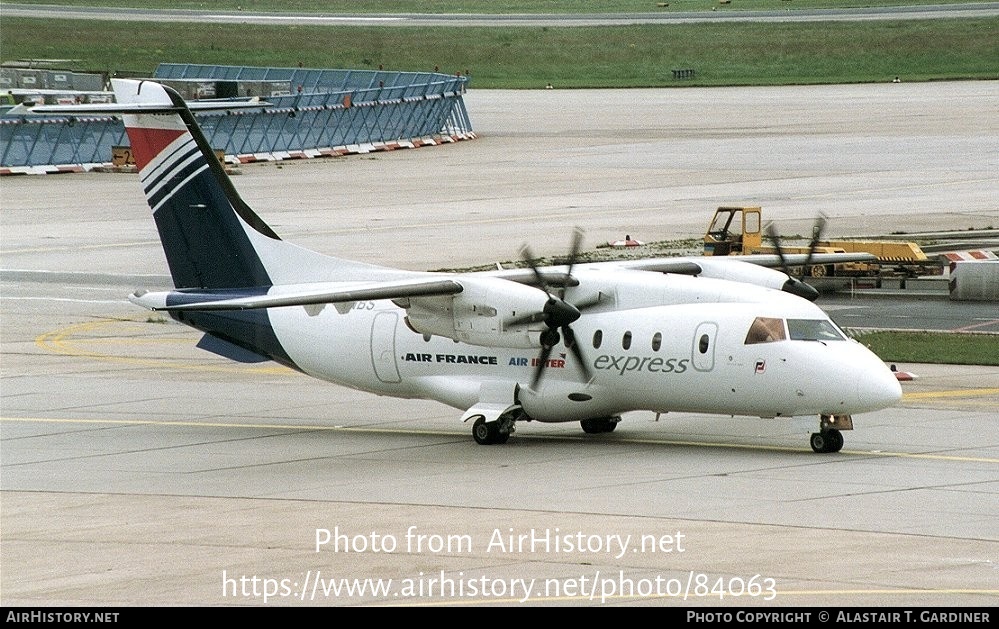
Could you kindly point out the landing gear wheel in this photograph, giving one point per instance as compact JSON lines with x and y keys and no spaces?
{"x":488,"y":433}
{"x":817,"y":441}
{"x":835,"y":440}
{"x":827,"y":441}
{"x":597,"y":425}
{"x":819,"y":270}
{"x":484,"y":432}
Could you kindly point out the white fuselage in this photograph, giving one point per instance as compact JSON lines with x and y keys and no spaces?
{"x":681,"y":357}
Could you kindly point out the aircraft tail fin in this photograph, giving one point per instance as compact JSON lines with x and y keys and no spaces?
{"x":208,"y":233}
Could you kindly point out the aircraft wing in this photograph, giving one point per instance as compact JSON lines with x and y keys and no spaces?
{"x":485,"y":311}
{"x":242,"y":299}
{"x":692,"y":266}
{"x":796,"y":259}
{"x":311,"y":295}
{"x":679,"y":266}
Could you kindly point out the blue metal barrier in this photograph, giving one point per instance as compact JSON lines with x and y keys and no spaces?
{"x":321,"y":111}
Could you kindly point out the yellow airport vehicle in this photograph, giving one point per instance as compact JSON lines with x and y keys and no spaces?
{"x":738,"y":230}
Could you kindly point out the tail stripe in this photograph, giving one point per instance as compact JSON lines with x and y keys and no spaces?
{"x":162,"y":161}
{"x":162,"y":193}
{"x":176,"y":162}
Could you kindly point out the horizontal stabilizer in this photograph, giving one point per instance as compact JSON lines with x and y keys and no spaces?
{"x":113,"y":109}
{"x":223,"y":348}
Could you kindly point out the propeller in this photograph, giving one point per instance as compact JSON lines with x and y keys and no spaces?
{"x":795,"y":285}
{"x":557,"y":314}
{"x":817,"y":229}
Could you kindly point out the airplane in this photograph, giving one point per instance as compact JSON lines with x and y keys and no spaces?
{"x":579,"y":342}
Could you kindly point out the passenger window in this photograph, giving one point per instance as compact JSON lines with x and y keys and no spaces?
{"x":766,"y":330}
{"x":626,"y":341}
{"x":657,"y":341}
{"x":598,"y":338}
{"x":702,"y":345}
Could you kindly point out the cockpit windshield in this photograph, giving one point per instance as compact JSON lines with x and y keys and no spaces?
{"x":813,"y":330}
{"x":770,"y":330}
{"x":766,"y":330}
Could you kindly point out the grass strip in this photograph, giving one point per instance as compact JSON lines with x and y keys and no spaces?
{"x":933,"y":347}
{"x":531,"y":57}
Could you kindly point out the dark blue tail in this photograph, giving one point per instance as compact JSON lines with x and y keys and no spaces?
{"x":204,"y":225}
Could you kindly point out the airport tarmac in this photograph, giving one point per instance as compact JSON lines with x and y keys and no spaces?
{"x":138,"y":470}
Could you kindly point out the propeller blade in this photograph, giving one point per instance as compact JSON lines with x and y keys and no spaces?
{"x":570,"y":342}
{"x":534,"y":317}
{"x":539,"y":370}
{"x":775,"y":239}
{"x":549,"y":339}
{"x":817,"y":229}
{"x":574,"y":248}
{"x":528,"y":256}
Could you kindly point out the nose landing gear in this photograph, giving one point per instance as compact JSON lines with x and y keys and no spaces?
{"x":827,"y":441}
{"x":829,"y":438}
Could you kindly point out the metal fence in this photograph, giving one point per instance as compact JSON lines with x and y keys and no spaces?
{"x":308,"y":112}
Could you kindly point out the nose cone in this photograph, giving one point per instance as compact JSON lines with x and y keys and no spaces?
{"x":878,"y":388}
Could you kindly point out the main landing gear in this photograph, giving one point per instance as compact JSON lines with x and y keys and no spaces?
{"x":494,"y":432}
{"x":597,"y":425}
{"x":829,"y":438}
{"x":488,"y":433}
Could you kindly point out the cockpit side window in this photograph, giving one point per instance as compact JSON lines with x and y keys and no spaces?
{"x":813,"y":330}
{"x":766,"y":330}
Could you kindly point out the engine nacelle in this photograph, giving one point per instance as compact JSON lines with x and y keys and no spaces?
{"x":749,"y":273}
{"x":745,"y":272}
{"x":569,"y":401}
{"x":480,"y":313}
